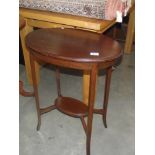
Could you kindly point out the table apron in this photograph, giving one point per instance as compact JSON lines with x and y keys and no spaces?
{"x":62,"y":63}
{"x":72,"y":64}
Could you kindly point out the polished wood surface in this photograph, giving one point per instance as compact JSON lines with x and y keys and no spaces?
{"x":71,"y":106}
{"x":72,"y":49}
{"x":73,"y":45}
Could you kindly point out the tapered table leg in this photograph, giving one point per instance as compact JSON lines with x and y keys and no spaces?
{"x":35,"y":87}
{"x":92,"y":88}
{"x":106,"y":94}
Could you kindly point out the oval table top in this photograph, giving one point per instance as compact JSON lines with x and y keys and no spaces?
{"x":73,"y":45}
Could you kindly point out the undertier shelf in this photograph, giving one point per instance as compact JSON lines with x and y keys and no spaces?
{"x":71,"y":106}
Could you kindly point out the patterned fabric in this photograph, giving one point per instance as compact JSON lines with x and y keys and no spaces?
{"x":99,"y":9}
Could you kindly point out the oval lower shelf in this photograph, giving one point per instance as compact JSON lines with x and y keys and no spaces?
{"x":71,"y":106}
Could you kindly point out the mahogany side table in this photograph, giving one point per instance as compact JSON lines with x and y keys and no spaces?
{"x":80,"y":50}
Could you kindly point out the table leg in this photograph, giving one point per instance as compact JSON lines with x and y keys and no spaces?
{"x":27,"y":29}
{"x":130,"y":32}
{"x":35,"y":87}
{"x":93,"y":76}
{"x":106,"y":94}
